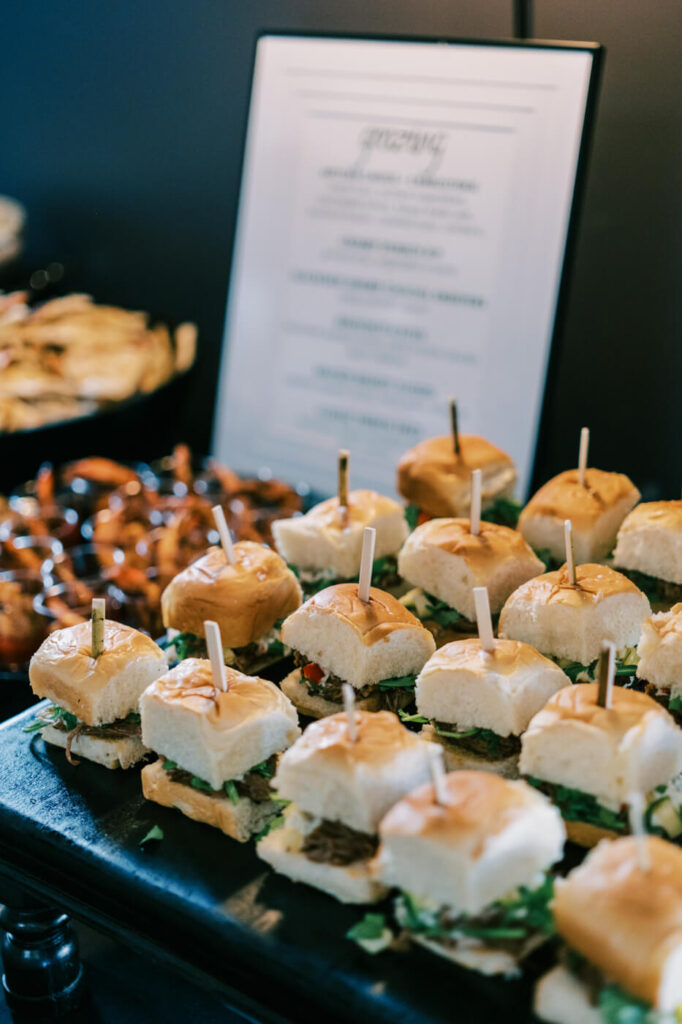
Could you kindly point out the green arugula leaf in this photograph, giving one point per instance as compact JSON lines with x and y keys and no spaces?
{"x":412,"y":516}
{"x":617,"y":1007}
{"x":264,"y":769}
{"x":188,"y":645}
{"x":504,"y":511}
{"x":441,"y":612}
{"x":575,"y":805}
{"x":36,"y":725}
{"x":372,"y":933}
{"x":550,"y":562}
{"x":198,"y":783}
{"x":155,"y":835}
{"x":64,"y":716}
{"x":231,"y":791}
{"x":169,"y":766}
{"x":402,"y":682}
{"x":270,"y":826}
{"x":457,"y":735}
{"x":675,"y":704}
{"x":417,"y":719}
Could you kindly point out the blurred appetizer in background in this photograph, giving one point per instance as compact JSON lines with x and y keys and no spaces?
{"x":588,"y":758}
{"x":471,"y":858}
{"x":341,"y":777}
{"x":569,"y":621}
{"x":649,"y":550}
{"x":659,"y":671}
{"x":68,"y":357}
{"x":95,"y":696}
{"x":596,"y":502}
{"x":324,"y":546}
{"x":377,"y":646}
{"x":434,"y":478}
{"x":217,"y":746}
{"x":619,"y":916}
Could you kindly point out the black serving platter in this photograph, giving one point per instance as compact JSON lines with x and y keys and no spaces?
{"x":276,"y":950}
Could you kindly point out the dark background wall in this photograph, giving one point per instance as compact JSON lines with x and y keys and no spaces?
{"x":121,"y":133}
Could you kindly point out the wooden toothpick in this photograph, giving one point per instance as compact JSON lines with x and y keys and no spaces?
{"x":570,"y":558}
{"x":225,"y":535}
{"x":349,"y":708}
{"x":438,"y":773}
{"x":607,"y":669}
{"x":475,"y":517}
{"x":454,"y":426}
{"x":484,"y":619}
{"x":214,"y":645}
{"x":582,"y":454}
{"x":343,"y":477}
{"x":98,"y":615}
{"x":369,"y":536}
{"x":636,"y":812}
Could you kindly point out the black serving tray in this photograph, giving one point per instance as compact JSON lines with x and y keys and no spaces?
{"x":275,"y":949}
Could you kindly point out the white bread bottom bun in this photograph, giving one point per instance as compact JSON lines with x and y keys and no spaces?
{"x":353,"y":883}
{"x":239,"y":821}
{"x":308,"y":704}
{"x":477,"y":957}
{"x":112,"y":753}
{"x":457,"y":760}
{"x":562,"y":999}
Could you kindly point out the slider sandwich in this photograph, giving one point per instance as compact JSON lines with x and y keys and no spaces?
{"x":473,"y":868}
{"x":588,"y":759}
{"x":341,"y":779}
{"x":596,"y":508}
{"x":218,"y":748}
{"x":569,"y":622}
{"x":377,"y":646}
{"x":649,"y":550}
{"x":477,"y":703}
{"x":248,"y":598}
{"x":324,"y":546}
{"x":659,"y":671}
{"x":435,"y":479}
{"x":444,"y":561}
{"x":619,"y":915}
{"x":94,"y":709}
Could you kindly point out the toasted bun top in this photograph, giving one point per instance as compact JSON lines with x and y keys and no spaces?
{"x":664,"y":514}
{"x":363,"y":507}
{"x":563,"y":497}
{"x":381,"y":738}
{"x":190,"y":685}
{"x":245,"y":599}
{"x":625,"y":920}
{"x":508,"y":658}
{"x":69,"y":652}
{"x":479,"y":805}
{"x":372,"y":621}
{"x":427,"y":471}
{"x":578,"y":703}
{"x":593,"y":584}
{"x":492,"y":544}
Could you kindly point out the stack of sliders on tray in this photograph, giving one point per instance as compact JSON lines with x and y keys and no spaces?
{"x":619,"y":916}
{"x":246,"y":588}
{"x":477,"y":696}
{"x":218,"y":733}
{"x":324,"y":546}
{"x":659,"y":671}
{"x":649,"y":550}
{"x":445,"y":559}
{"x":353,"y":633}
{"x":341,"y":777}
{"x":596,"y":502}
{"x":435,"y":477}
{"x":569,"y":613}
{"x":95,"y":673}
{"x":471,"y":854}
{"x":592,"y":745}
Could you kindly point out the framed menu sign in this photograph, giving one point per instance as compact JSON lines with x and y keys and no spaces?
{"x":403,"y":222}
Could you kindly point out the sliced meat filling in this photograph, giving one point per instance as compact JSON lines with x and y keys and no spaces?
{"x":484,"y":742}
{"x":254,"y":785}
{"x":337,"y":844}
{"x":330,"y":687}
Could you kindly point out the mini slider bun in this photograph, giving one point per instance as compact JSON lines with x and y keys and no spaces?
{"x":473,"y":689}
{"x":626,"y":921}
{"x":490,"y":836}
{"x":102,"y":690}
{"x":438,"y":481}
{"x":361,"y":642}
{"x":650,"y":540}
{"x":245,"y":599}
{"x":216,"y":735}
{"x":573,"y":621}
{"x":660,"y":651}
{"x":328,"y":537}
{"x":596,"y":510}
{"x":634,"y":745}
{"x":446,"y":560}
{"x":330,"y":777}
